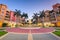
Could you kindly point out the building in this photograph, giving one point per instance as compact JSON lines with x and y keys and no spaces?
{"x":56,"y":9}
{"x":46,"y":18}
{"x":12,"y":21}
{"x":3,"y":9}
{"x":47,"y":21}
{"x":7,"y":17}
{"x":52,"y":17}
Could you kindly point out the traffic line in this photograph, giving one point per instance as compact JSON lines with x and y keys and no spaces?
{"x":30,"y":36}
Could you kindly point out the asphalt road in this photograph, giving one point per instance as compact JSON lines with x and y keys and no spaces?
{"x":11,"y":36}
{"x":15,"y":37}
{"x":44,"y":37}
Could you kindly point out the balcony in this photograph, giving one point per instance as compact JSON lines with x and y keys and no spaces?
{"x":7,"y":16}
{"x":7,"y":19}
{"x":58,"y":14}
{"x":52,"y":19}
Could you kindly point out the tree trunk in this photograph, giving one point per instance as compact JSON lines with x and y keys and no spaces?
{"x":43,"y":22}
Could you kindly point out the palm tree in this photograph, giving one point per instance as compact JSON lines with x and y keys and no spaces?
{"x":17,"y":14}
{"x":35,"y":18}
{"x":42,"y":15}
{"x":24,"y":16}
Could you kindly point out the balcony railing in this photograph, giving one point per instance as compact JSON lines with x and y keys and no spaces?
{"x":7,"y":16}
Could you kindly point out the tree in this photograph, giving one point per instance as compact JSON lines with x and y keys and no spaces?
{"x":42,"y":15}
{"x":4,"y":24}
{"x":35,"y":18}
{"x":24,"y":16}
{"x":17,"y":14}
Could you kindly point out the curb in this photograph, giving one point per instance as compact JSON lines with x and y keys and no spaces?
{"x":4,"y":35}
{"x":55,"y":36}
{"x":17,"y":33}
{"x":30,"y":28}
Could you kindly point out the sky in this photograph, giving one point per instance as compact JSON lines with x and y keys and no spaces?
{"x":29,"y":6}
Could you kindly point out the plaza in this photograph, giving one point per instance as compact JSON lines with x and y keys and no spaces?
{"x":30,"y":20}
{"x":30,"y":34}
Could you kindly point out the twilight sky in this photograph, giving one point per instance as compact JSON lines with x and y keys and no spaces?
{"x":29,"y":6}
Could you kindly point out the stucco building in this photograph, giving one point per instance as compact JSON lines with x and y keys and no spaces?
{"x":3,"y":9}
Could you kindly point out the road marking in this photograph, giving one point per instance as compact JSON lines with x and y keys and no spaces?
{"x":30,"y":36}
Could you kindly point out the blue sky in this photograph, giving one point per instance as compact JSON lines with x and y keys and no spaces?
{"x":29,"y":6}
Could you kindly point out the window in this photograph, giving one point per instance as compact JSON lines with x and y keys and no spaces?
{"x":1,"y":15}
{"x":58,"y":14}
{"x":7,"y":16}
{"x":58,"y":6}
{"x":52,"y":19}
{"x":0,"y":18}
{"x":2,"y":12}
{"x":3,"y":9}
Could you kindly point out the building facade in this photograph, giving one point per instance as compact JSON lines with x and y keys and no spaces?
{"x":56,"y":9}
{"x":12,"y":19}
{"x":53,"y":16}
{"x":3,"y":9}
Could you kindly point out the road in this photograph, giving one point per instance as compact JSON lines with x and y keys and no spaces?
{"x":12,"y":36}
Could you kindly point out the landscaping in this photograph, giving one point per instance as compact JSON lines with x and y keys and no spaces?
{"x":2,"y":33}
{"x":57,"y":32}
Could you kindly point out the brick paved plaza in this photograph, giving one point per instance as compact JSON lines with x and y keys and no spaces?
{"x":30,"y":34}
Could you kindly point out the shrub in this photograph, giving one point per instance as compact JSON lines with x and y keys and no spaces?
{"x":4,"y":24}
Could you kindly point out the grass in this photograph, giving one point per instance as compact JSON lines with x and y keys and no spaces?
{"x":2,"y":33}
{"x":57,"y":32}
{"x":58,"y":29}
